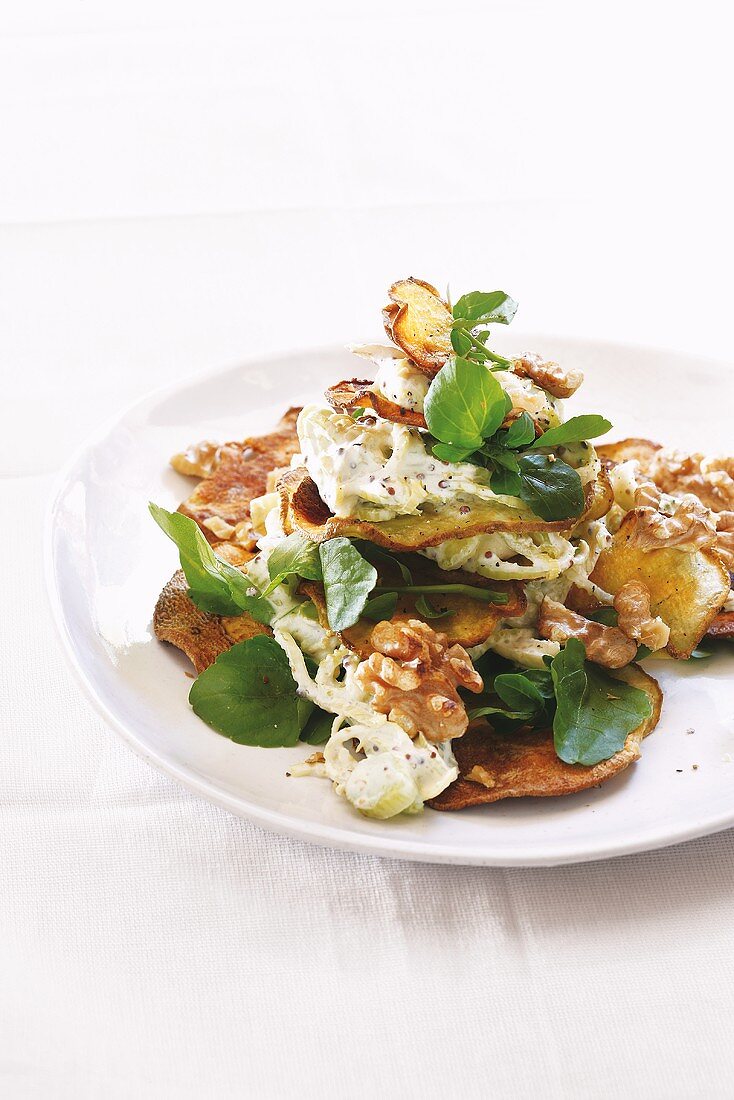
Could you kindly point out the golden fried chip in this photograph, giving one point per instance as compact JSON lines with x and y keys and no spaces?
{"x":470,"y":623}
{"x":201,"y":636}
{"x":520,"y":764}
{"x":687,"y":590}
{"x":419,"y":321}
{"x":357,"y":393}
{"x":640,"y":449}
{"x":302,"y":509}
{"x":240,"y":475}
{"x":599,"y":501}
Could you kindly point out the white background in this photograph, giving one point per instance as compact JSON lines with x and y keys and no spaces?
{"x":185,"y":183}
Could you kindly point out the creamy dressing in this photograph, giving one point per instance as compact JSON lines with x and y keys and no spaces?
{"x":505,"y":556}
{"x":376,"y":470}
{"x":399,"y":381}
{"x":382,"y":772}
{"x":516,"y":638}
{"x":293,"y":613}
{"x":372,"y":762}
{"x":529,"y":398}
{"x":373,"y":469}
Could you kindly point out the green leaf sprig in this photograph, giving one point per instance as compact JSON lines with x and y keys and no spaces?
{"x":465,"y":407}
{"x":590,"y":711}
{"x":214,"y":585}
{"x":350,"y":579}
{"x":471,"y":315}
{"x":249,"y":695}
{"x":594,"y":712}
{"x":297,"y":555}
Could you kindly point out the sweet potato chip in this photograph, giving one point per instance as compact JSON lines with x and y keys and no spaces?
{"x":201,"y":636}
{"x":520,"y":764}
{"x":241,"y":474}
{"x":419,"y":321}
{"x":302,"y":509}
{"x":687,"y":590}
{"x":470,"y":623}
{"x":357,"y":393}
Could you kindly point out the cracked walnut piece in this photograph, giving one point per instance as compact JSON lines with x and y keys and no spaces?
{"x":198,"y":460}
{"x":548,"y":375}
{"x":605,"y":645}
{"x":689,"y":527}
{"x":632,"y":604}
{"x":413,"y":676}
{"x":709,"y":479}
{"x":725,"y":539}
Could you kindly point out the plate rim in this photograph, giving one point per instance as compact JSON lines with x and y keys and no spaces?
{"x":279,"y":822}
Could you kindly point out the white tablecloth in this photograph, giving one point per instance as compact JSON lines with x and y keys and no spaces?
{"x":182,"y":185}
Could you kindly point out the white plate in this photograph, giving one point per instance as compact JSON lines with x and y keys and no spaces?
{"x":107,"y":562}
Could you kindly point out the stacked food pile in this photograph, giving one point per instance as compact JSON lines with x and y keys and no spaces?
{"x":438,"y":578}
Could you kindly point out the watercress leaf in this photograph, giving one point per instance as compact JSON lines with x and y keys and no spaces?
{"x":214,"y":585}
{"x":205,"y":577}
{"x":542,"y":679}
{"x":518,"y":692}
{"x":500,"y":456}
{"x":594,"y":712}
{"x":381,"y":607}
{"x":304,"y":710}
{"x":520,"y":432}
{"x":485,"y":308}
{"x":484,"y":595}
{"x":317,"y":729}
{"x":460,"y":342}
{"x":490,"y":665}
{"x":576,"y":430}
{"x":552,"y":489}
{"x":606,"y":615}
{"x":464,"y":403}
{"x":447,"y":452}
{"x":249,"y":695}
{"x":486,"y":712}
{"x":506,"y":483}
{"x":348,"y":580}
{"x":377,"y":555}
{"x":295,"y":554}
{"x":425,"y":608}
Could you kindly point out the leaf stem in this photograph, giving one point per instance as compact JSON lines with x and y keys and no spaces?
{"x":491,"y":355}
{"x":485,"y":595}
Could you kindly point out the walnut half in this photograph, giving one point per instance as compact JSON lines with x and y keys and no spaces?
{"x":725,"y":538}
{"x":689,"y":527}
{"x":709,"y":479}
{"x":413,"y":678}
{"x":548,"y":375}
{"x":198,"y":460}
{"x":605,"y":645}
{"x":632,"y":604}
